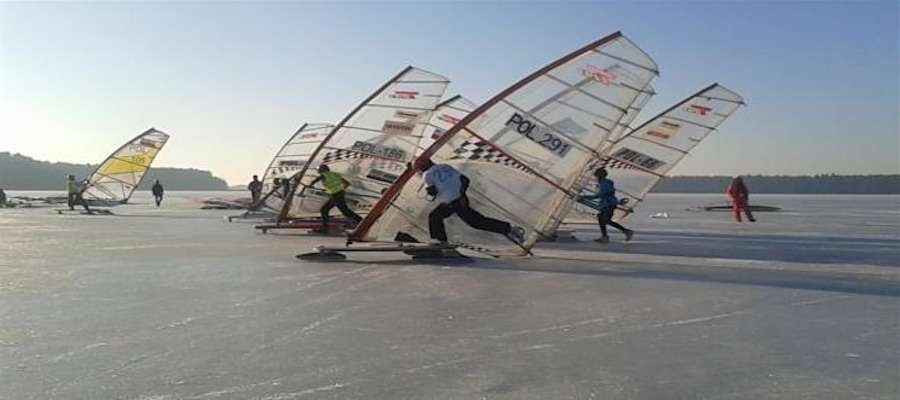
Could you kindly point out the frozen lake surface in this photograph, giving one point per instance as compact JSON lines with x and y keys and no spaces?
{"x":174,"y":303}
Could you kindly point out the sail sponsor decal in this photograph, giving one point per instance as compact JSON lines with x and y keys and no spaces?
{"x":407,"y":115}
{"x":448,"y":119}
{"x":602,"y":75}
{"x":382,"y":176}
{"x":637,"y":158}
{"x":698,"y":109}
{"x":404,"y":94}
{"x":398,"y":128}
{"x":660,"y":135}
{"x":148,"y":143}
{"x":663,"y":131}
{"x":291,"y":163}
{"x":541,"y":135}
{"x":308,"y":136}
{"x":377,"y":150}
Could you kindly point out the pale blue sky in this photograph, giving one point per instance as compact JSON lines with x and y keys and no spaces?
{"x":231,"y":81}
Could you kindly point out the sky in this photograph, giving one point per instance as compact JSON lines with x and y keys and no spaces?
{"x":230,"y":82}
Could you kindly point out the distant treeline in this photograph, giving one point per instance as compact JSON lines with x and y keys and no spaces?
{"x":18,"y":172}
{"x":815,"y":184}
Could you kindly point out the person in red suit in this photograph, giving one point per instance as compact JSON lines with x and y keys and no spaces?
{"x":739,"y":196}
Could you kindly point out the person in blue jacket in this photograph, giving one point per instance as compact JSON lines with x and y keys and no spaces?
{"x":606,"y":194}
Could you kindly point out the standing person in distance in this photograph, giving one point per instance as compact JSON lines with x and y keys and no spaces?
{"x":447,"y":187}
{"x":157,"y":190}
{"x":740,"y":199}
{"x":606,"y":193}
{"x":255,"y":188}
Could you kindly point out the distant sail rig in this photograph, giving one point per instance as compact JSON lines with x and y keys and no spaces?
{"x":116,"y":178}
{"x":287,"y":162}
{"x":524,"y":149}
{"x":372,"y":145}
{"x":639,"y":159}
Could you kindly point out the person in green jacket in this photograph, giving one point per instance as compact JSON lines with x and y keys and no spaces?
{"x":74,"y":194}
{"x":335,"y":186}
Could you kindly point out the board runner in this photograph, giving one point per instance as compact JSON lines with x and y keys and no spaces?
{"x":447,"y":187}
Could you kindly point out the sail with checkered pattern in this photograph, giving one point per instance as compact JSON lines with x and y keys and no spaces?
{"x":525,"y":148}
{"x":372,"y":146}
{"x":639,"y":159}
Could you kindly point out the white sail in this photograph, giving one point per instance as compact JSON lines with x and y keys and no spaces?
{"x":448,"y":113}
{"x":115,"y":179}
{"x":287,"y":162}
{"x":372,"y":146}
{"x":525,"y":148}
{"x":638,"y":160}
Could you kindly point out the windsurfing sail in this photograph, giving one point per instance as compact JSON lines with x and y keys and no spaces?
{"x":372,"y":145}
{"x":639,"y":159}
{"x":288,"y":161}
{"x":448,"y":113}
{"x":523,"y":149}
{"x":115,"y":178}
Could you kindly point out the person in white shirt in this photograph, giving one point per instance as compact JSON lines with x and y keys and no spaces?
{"x":448,"y":188}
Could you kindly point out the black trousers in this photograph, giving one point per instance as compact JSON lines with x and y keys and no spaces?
{"x":339,"y":200}
{"x":74,"y":199}
{"x":604,"y":218}
{"x":158,"y":198}
{"x":471,"y":217}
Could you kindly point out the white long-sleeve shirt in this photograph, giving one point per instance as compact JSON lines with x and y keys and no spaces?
{"x":447,"y":180}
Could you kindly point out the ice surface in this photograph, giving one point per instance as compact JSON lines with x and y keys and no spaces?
{"x":175,"y":303}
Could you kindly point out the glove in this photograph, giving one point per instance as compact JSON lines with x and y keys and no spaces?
{"x":432,"y":192}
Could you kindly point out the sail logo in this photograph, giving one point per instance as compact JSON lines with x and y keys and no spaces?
{"x":658,"y":134}
{"x":398,"y":128}
{"x":308,"y":136}
{"x":670,"y":125}
{"x":449,"y":119}
{"x":604,"y":76}
{"x":663,"y":131}
{"x":295,"y":163}
{"x":407,"y":115}
{"x":148,"y":143}
{"x":699,"y":110}
{"x":637,"y":158}
{"x":405,"y":95}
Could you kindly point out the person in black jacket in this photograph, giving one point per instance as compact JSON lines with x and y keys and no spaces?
{"x":157,"y":192}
